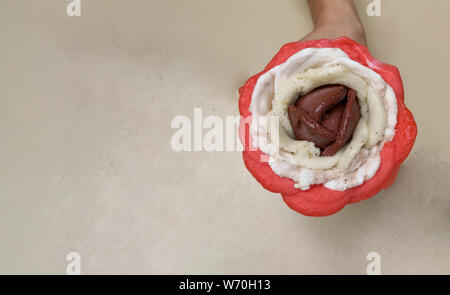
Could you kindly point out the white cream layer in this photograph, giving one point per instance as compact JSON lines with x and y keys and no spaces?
{"x":300,"y":161}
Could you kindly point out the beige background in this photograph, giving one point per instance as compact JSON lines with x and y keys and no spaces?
{"x":86,"y":163}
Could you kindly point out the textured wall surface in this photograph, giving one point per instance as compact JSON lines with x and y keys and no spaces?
{"x":86,"y":163}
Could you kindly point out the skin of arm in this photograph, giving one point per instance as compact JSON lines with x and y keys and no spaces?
{"x":335,"y":18}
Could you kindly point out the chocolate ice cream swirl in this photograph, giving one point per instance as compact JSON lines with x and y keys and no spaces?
{"x":326,"y":116}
